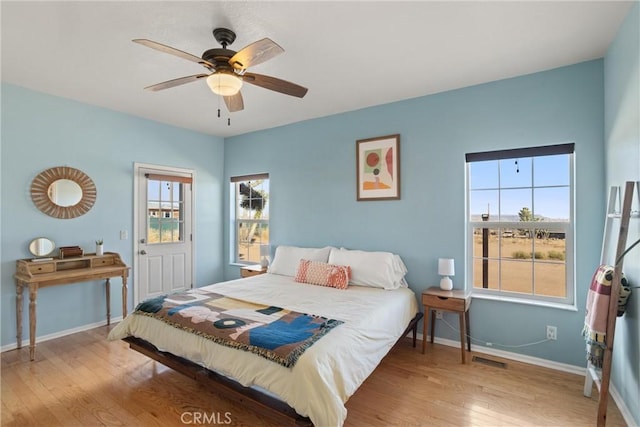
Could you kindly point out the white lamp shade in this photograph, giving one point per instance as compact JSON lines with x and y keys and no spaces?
{"x":265,"y":250}
{"x":446,"y":267}
{"x":224,"y":84}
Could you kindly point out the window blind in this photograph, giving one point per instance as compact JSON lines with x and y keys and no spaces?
{"x":253,"y":177}
{"x":172,"y":178}
{"x":516,"y":153}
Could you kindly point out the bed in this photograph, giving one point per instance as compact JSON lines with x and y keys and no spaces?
{"x":326,"y":374}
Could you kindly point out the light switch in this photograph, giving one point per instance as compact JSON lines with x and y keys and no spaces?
{"x":123,"y":235}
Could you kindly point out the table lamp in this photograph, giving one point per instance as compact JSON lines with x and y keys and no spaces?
{"x":446,"y":269}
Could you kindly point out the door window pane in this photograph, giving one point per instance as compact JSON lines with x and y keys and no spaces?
{"x":165,"y":212}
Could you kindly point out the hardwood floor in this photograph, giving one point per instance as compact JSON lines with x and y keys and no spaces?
{"x":85,"y":380}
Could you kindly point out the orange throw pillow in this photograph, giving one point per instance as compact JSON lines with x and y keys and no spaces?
{"x":323,"y":274}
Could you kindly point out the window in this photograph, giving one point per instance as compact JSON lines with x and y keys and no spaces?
{"x":250,"y":200}
{"x":165,"y":208}
{"x":520,"y":223}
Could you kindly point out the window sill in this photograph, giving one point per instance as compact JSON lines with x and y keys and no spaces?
{"x":547,"y":304}
{"x":241,"y":264}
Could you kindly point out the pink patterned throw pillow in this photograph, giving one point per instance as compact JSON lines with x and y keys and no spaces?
{"x":321,"y":273}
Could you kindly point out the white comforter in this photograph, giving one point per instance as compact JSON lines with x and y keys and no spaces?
{"x":329,"y":372}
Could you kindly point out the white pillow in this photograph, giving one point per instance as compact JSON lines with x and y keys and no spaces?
{"x":374,"y":269}
{"x":287,"y":258}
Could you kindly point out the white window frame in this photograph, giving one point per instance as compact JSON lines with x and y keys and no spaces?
{"x":567,"y":302}
{"x":235,"y":221}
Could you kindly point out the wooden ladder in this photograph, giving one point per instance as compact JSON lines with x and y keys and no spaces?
{"x":624,"y":215}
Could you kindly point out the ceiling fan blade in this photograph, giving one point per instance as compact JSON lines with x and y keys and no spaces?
{"x":173,"y":51}
{"x":175,"y":82}
{"x":275,"y":84}
{"x":256,"y":53}
{"x":234,"y":102}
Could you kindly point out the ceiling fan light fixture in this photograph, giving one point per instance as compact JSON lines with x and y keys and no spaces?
{"x":224,"y":84}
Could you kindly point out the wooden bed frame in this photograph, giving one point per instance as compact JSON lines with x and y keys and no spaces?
{"x":260,"y":402}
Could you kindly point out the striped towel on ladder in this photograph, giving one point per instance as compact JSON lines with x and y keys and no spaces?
{"x":597,"y":312}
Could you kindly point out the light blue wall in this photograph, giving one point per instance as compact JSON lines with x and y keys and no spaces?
{"x":622,"y":144}
{"x":41,"y":131}
{"x":313,"y":191}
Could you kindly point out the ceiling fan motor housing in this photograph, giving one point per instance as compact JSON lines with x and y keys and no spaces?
{"x":224,"y":36}
{"x":219,"y":57}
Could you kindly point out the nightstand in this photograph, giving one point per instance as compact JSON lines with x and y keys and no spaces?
{"x":252,"y":270}
{"x":456,"y":301}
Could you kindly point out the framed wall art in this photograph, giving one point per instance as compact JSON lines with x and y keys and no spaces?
{"x":378,"y":168}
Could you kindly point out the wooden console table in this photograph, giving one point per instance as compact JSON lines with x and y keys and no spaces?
{"x":41,"y":274}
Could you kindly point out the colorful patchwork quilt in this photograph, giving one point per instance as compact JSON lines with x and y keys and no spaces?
{"x":274,"y":333}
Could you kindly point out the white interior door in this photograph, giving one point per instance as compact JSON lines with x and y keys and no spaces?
{"x":164,"y":231}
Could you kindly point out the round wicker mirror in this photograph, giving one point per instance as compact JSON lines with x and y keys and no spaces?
{"x":63,"y":192}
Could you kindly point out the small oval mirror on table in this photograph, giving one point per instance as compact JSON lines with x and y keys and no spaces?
{"x":63,"y":192}
{"x":41,"y":247}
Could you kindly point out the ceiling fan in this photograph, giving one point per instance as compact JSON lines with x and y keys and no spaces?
{"x":229,"y":68}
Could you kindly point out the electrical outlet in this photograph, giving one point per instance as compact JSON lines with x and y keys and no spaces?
{"x":552,"y":333}
{"x":438,"y":314}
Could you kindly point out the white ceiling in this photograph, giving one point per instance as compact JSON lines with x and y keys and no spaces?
{"x":350,"y":55}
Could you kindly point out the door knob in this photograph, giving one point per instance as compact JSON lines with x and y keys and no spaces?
{"x":143,"y":252}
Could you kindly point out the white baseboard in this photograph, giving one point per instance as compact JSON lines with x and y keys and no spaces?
{"x":572,"y":369}
{"x":622,"y":406}
{"x":564,"y":367}
{"x":39,"y":339}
